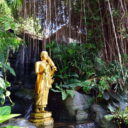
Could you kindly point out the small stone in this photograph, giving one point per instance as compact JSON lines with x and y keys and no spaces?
{"x":81,"y":115}
{"x":86,"y":125}
{"x":106,"y":96}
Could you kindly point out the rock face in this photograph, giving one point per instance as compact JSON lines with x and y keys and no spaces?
{"x":99,"y":112}
{"x":78,"y":105}
{"x":121,"y":100}
{"x":26,"y":124}
{"x":82,"y":108}
{"x":23,"y":99}
{"x":81,"y":115}
{"x":19,"y":122}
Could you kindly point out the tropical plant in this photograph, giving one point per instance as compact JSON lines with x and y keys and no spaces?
{"x":74,"y":65}
{"x":9,"y":42}
{"x":80,"y":67}
{"x":5,"y":114}
{"x":118,"y":117}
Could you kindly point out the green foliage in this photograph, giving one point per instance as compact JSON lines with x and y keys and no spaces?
{"x":11,"y":127}
{"x":92,"y":20}
{"x":15,"y":4}
{"x":5,"y":114}
{"x":4,"y":118}
{"x":75,"y":65}
{"x":80,"y":67}
{"x":119,"y":117}
{"x":73,"y":60}
{"x":4,"y":9}
{"x":31,"y":26}
{"x":3,"y":90}
{"x":9,"y":42}
{"x":6,"y":110}
{"x":64,"y":92}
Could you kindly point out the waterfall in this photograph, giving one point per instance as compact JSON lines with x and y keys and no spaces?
{"x":59,"y":21}
{"x":53,"y":15}
{"x":29,"y":110}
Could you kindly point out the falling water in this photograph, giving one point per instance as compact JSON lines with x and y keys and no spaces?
{"x":29,"y":110}
{"x":56,"y":14}
{"x":59,"y":20}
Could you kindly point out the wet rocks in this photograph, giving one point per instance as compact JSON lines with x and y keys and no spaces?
{"x":79,"y":125}
{"x":81,"y":115}
{"x":83,"y":108}
{"x":19,"y":122}
{"x":79,"y":103}
{"x":99,"y":112}
{"x":86,"y":125}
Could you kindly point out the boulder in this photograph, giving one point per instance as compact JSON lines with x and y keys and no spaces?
{"x":99,"y":112}
{"x":19,"y":122}
{"x":77,"y":105}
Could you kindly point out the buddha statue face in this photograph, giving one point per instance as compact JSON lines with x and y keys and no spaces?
{"x":44,"y":55}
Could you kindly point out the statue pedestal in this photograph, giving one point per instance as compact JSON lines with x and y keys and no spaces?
{"x":42,"y":119}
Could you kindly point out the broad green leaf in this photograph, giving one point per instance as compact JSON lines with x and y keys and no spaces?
{"x":2,"y":83}
{"x":87,"y":82}
{"x":6,"y":110}
{"x":58,"y":87}
{"x":109,"y":117}
{"x":74,"y":75}
{"x":111,"y":108}
{"x":4,"y":118}
{"x":102,"y":82}
{"x":64,"y":95}
{"x":11,"y":127}
{"x":70,"y":92}
{"x":9,"y":68}
{"x":55,"y":90}
{"x":73,"y":85}
{"x":87,"y":89}
{"x":2,"y":98}
{"x":7,"y":84}
{"x":74,"y":81}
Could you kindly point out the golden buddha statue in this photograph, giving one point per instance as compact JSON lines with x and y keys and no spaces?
{"x":45,"y":70}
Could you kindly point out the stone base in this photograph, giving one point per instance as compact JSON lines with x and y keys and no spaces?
{"x":42,"y":119}
{"x":41,"y":115}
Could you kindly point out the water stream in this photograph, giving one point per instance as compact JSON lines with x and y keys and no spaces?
{"x":29,"y":110}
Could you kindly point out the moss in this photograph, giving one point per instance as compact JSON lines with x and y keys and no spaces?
{"x":30,"y":26}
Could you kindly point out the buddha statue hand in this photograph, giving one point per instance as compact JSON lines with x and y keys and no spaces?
{"x":54,"y":68}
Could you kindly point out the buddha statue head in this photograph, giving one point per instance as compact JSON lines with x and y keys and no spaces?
{"x":44,"y":55}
